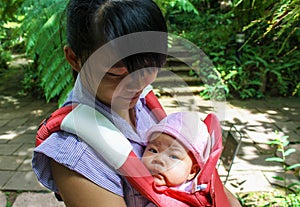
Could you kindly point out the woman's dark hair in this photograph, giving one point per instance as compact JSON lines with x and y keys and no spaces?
{"x":92,"y":23}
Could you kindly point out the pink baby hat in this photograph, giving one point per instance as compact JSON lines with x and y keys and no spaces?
{"x":188,"y":129}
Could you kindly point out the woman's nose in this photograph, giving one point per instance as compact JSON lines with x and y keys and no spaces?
{"x":137,"y":82}
{"x":140,"y":79}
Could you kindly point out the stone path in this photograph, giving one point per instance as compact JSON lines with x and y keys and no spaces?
{"x":257,"y":120}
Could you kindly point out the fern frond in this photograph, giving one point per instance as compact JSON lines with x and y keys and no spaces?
{"x":62,"y":81}
{"x":51,"y":72}
{"x":43,"y":29}
{"x":64,"y":94}
{"x":49,"y":34}
{"x":50,"y":85}
{"x":47,"y":62}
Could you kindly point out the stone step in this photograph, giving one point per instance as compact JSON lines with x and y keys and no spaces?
{"x":182,"y":60}
{"x":178,"y":68}
{"x":177,"y":79}
{"x":181,"y":51}
{"x":167,"y":91}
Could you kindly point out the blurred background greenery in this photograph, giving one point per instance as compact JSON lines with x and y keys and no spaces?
{"x":254,"y":45}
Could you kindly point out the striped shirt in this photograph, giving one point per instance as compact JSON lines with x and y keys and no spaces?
{"x":68,"y":150}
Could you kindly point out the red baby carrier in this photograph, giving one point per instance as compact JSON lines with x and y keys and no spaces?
{"x":210,"y":188}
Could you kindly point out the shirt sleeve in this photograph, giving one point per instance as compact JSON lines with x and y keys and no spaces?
{"x":67,"y":150}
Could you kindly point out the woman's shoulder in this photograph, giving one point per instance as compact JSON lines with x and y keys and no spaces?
{"x":67,"y":149}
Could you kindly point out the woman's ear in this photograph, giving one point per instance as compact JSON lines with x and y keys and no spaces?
{"x":195,"y":169}
{"x":72,"y":58}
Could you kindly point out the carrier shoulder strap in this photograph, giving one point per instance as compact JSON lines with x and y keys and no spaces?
{"x":118,"y":153}
{"x":154,"y":106}
{"x":121,"y":158}
{"x":53,"y":122}
{"x":116,"y":150}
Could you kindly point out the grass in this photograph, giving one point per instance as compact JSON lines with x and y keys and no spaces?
{"x":276,"y":198}
{"x":11,"y":197}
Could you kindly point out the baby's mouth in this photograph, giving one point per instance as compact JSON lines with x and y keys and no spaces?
{"x":157,"y":175}
{"x":159,"y":179}
{"x":155,"y":172}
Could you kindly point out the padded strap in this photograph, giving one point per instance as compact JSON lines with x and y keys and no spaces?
{"x":155,"y":107}
{"x":98,"y":132}
{"x":214,"y":129}
{"x":52,"y":123}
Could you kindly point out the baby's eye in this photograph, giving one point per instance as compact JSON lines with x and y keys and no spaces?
{"x":174,"y":157}
{"x":152,"y":150}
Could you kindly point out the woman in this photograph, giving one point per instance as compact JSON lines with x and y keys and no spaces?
{"x":113,"y":82}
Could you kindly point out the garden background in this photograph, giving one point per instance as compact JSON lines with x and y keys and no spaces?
{"x":254,"y":45}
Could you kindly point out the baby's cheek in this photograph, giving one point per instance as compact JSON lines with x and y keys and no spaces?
{"x":144,"y":161}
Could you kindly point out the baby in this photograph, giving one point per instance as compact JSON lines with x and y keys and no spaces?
{"x":177,"y":149}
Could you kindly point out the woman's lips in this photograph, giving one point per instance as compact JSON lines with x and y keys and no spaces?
{"x":136,"y":95}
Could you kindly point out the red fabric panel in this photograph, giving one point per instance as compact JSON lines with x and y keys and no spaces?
{"x":52,"y":123}
{"x":155,"y":107}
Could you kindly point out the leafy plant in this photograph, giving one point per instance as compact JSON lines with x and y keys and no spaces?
{"x":173,"y":7}
{"x":281,"y":18}
{"x":7,"y":13}
{"x":269,"y":62}
{"x":44,"y":45}
{"x":290,"y":195}
{"x":281,"y":144}
{"x":268,"y":199}
{"x":4,"y":58}
{"x":265,"y":67}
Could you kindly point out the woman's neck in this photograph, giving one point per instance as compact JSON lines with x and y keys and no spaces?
{"x":128,"y":115}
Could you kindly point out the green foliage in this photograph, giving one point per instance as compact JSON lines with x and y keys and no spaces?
{"x":44,"y":45}
{"x":290,"y":197}
{"x":4,"y":58}
{"x":173,"y":7}
{"x":9,"y":9}
{"x":269,"y":199}
{"x":279,"y":18}
{"x":281,"y":144}
{"x":267,"y":64}
{"x":254,"y":75}
{"x":8,"y":22}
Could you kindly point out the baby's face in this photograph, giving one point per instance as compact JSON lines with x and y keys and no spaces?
{"x":167,"y":160}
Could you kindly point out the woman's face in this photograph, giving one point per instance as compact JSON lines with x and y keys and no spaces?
{"x":168,"y":161}
{"x":121,"y":90}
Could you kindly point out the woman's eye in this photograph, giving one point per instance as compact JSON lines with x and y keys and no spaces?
{"x":116,"y":75}
{"x":113,"y":74}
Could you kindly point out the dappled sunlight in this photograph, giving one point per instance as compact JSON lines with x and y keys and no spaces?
{"x":259,"y":121}
{"x":264,"y":116}
{"x":4,"y":100}
{"x":25,"y":150}
{"x":8,"y":137}
{"x":37,"y":112}
{"x":271,"y":112}
{"x":17,"y":132}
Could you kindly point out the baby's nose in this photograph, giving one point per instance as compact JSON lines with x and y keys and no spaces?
{"x":158,"y":160}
